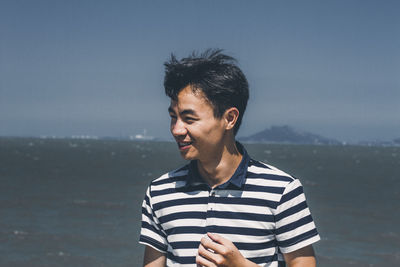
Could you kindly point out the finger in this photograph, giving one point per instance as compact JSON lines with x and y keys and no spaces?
{"x":218,"y":239}
{"x":205,"y":253}
{"x":220,"y":245}
{"x":204,"y":257}
{"x":209,"y":244}
{"x":202,"y":262}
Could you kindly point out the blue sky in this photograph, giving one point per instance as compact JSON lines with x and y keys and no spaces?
{"x":96,"y":67}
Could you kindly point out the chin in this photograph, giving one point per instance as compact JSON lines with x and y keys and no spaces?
{"x":188,"y":156}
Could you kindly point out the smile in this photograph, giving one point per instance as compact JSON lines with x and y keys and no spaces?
{"x":184,"y":145}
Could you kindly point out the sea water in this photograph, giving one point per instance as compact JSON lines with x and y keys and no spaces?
{"x":68,"y":202}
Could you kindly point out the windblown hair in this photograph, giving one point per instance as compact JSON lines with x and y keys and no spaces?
{"x":213,"y":73}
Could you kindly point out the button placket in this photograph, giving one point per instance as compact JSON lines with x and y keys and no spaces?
{"x":210,"y":208}
{"x":212,"y":198}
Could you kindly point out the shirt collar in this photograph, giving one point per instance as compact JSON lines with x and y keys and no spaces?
{"x":237,"y":179}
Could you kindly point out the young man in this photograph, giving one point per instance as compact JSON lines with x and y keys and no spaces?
{"x":223,"y":208}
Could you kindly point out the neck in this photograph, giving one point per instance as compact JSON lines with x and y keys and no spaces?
{"x":220,"y":168}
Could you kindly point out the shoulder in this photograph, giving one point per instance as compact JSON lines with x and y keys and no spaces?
{"x":264,"y":173}
{"x":171,"y":178}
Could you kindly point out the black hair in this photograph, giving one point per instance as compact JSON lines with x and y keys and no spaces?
{"x":213,"y":73}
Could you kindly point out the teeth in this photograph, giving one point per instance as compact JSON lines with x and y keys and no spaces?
{"x":184,"y":144}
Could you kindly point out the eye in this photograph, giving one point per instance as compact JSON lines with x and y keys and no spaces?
{"x":190,"y":119}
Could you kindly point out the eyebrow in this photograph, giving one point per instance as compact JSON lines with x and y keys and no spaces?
{"x":183,"y":112}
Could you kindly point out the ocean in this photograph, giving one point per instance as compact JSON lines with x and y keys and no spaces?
{"x":70,"y":202}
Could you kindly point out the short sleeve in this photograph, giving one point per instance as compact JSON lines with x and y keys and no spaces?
{"x":151,"y":233}
{"x":295,"y":227}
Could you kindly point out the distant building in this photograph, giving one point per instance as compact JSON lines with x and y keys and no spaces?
{"x":143,"y":136}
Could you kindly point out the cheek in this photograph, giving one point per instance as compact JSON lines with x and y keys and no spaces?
{"x":214,"y":131}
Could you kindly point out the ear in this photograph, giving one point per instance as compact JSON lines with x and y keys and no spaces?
{"x":231,"y":116}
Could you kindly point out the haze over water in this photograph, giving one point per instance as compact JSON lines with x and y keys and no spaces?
{"x":96,"y":67}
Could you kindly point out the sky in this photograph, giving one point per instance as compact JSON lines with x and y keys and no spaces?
{"x":96,"y":67}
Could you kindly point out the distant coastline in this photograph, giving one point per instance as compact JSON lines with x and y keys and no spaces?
{"x":288,"y":135}
{"x":283,"y":135}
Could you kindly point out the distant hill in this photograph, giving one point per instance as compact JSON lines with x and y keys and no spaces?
{"x":288,"y":135}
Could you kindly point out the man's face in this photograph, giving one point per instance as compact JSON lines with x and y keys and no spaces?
{"x":198,"y":133}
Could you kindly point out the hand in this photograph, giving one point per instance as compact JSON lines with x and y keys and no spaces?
{"x":217,"y":251}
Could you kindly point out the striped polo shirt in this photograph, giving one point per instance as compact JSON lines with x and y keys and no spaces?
{"x":261,"y":209}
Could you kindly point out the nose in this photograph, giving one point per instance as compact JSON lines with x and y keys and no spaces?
{"x":178,"y":128}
